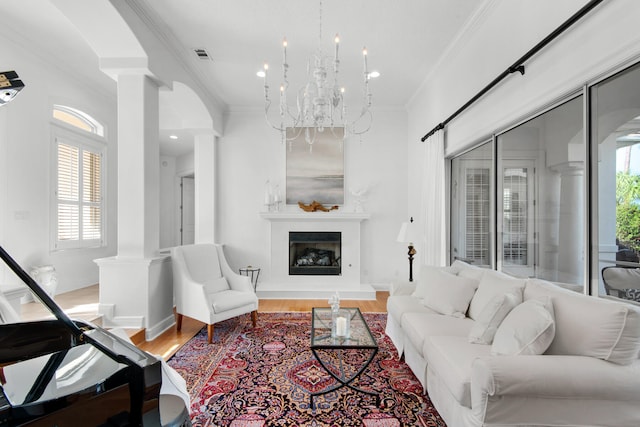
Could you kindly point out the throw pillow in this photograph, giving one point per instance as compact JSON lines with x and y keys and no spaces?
{"x":494,"y":283}
{"x":486,"y":325}
{"x":426,"y":274}
{"x":216,"y":285}
{"x":474,"y":273}
{"x":457,"y":266}
{"x":527,"y":330}
{"x":448,"y":294}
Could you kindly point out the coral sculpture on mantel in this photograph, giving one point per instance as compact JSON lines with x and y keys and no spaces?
{"x":315,"y":207}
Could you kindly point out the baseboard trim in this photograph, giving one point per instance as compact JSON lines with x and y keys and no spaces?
{"x":156,"y":330}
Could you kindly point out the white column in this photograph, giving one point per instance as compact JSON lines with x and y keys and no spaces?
{"x":135,"y":286}
{"x":571,"y":223}
{"x":138,"y":167}
{"x":205,"y":189}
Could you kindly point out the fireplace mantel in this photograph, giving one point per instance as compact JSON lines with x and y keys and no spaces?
{"x":315,"y":216}
{"x":279,"y":283}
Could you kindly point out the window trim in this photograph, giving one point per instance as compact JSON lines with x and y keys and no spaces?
{"x":97,"y":128}
{"x":61,"y":132}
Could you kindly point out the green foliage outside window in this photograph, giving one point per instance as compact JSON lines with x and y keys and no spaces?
{"x":628,"y":210}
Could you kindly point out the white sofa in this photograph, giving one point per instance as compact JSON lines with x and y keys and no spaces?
{"x":559,"y":358}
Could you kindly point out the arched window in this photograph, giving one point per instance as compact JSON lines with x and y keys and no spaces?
{"x":77,"y":119}
{"x":78,"y":201}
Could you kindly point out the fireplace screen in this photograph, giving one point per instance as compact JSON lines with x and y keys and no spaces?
{"x":314,"y":253}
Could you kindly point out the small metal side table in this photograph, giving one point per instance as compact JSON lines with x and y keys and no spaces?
{"x":253,"y":272}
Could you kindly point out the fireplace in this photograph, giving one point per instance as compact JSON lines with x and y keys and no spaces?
{"x":276,"y":281}
{"x":315,"y":253}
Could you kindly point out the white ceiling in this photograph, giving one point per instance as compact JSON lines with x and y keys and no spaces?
{"x":405,"y":39}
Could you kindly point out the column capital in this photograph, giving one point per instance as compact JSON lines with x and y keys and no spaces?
{"x":569,"y":168}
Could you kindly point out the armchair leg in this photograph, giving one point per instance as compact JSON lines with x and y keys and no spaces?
{"x":254,"y":317}
{"x":210,"y":333}
{"x":178,"y":321}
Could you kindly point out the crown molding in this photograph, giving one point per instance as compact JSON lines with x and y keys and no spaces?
{"x":144,"y":10}
{"x":36,"y":53}
{"x":462,"y":38}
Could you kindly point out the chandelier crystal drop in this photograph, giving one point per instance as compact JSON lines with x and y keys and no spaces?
{"x":320,"y":103}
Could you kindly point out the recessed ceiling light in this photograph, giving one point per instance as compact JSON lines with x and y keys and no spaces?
{"x":173,"y":136}
{"x":374,"y":74}
{"x":260,"y":74}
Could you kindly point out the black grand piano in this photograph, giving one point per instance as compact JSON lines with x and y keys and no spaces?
{"x":64,"y":372}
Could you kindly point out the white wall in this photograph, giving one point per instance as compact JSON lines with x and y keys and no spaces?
{"x":169,"y":200}
{"x":25,"y":144}
{"x":250,"y":153}
{"x":500,"y":34}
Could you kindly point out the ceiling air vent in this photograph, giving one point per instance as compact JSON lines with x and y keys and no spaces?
{"x":202,"y":54}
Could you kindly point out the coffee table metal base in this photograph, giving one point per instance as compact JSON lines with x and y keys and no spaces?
{"x":342,"y":380}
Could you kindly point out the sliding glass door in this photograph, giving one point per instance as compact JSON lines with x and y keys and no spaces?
{"x":615,"y":132}
{"x":541,"y":182}
{"x":528,"y":218}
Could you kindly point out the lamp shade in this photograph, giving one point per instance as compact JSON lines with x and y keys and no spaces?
{"x":406,"y":233}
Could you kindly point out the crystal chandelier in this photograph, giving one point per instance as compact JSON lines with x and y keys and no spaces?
{"x":320,"y":103}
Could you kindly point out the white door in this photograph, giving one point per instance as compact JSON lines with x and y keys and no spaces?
{"x":518,"y":217}
{"x":471,"y":195}
{"x":187,"y":211}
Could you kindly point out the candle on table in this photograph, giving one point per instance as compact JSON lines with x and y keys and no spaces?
{"x":341,"y":326}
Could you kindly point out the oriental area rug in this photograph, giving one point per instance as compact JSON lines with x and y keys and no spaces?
{"x":264,"y":376}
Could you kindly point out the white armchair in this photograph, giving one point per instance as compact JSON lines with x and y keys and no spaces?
{"x":207,"y":289}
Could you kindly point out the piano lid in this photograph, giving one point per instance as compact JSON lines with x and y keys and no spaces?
{"x":59,"y":370}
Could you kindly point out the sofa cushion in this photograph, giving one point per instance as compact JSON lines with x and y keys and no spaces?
{"x":211,"y":286}
{"x":447,"y":293}
{"x":427,"y":274}
{"x":451,"y":357}
{"x":590,"y":326}
{"x":418,"y":326}
{"x":491,"y":317}
{"x":494,"y":283}
{"x":474,"y":273}
{"x":457,"y":266}
{"x":229,"y":300}
{"x":527,"y":330}
{"x":399,"y":305}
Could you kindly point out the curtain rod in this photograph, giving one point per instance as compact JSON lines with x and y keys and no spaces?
{"x":518,"y":66}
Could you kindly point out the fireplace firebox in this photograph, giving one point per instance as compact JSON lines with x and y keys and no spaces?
{"x":315,"y":253}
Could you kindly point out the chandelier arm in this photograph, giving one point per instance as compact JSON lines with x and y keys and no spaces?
{"x":282,"y":127}
{"x":353,"y":123}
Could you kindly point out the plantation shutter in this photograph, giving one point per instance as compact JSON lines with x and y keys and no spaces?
{"x":91,"y":215}
{"x":477,"y":205}
{"x":79,"y":195}
{"x":68,"y":192}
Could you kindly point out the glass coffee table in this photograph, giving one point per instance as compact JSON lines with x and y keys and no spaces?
{"x":333,"y":353}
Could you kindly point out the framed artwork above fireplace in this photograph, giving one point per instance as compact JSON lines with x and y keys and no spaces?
{"x":315,"y":171}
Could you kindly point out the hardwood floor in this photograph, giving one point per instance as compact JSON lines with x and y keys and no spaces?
{"x":83,"y":304}
{"x":170,"y":341}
